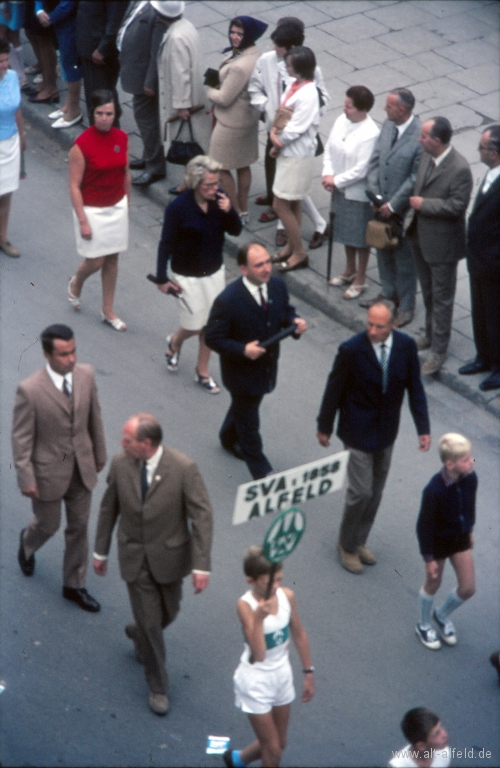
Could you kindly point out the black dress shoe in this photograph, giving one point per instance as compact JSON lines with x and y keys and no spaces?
{"x":235,"y":449}
{"x":491,"y":382}
{"x":146,"y":178}
{"x":476,"y":366}
{"x":82,"y":598}
{"x":302,"y":264}
{"x":137,"y":165}
{"x":27,"y":563}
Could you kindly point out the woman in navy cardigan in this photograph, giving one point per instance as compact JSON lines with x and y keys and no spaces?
{"x":192,"y":240}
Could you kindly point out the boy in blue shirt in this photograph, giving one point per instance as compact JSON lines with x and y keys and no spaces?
{"x":444,"y":530}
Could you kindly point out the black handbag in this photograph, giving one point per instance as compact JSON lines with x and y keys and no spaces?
{"x":181,"y":152}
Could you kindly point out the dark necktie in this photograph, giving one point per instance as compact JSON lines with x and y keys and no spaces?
{"x":263,"y":302}
{"x":384,"y":364}
{"x":65,"y":388}
{"x":429,"y":171}
{"x":395,"y":135}
{"x":144,"y":480}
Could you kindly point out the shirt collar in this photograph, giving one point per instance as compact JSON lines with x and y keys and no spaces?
{"x":58,"y":380}
{"x":154,"y":460}
{"x":447,"y":480}
{"x":388,"y":345}
{"x":254,"y":289}
{"x":439,"y":160}
{"x":490,"y":177}
{"x":402,"y":128}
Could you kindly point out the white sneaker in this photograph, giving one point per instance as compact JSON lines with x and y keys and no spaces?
{"x":446,"y":629}
{"x":428,"y":637}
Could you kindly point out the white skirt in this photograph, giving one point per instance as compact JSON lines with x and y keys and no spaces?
{"x":109,"y":227}
{"x":199,"y":293}
{"x":293,"y":177}
{"x":10,"y":164}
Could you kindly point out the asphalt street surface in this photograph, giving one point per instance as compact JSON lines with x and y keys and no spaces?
{"x":74,"y":694}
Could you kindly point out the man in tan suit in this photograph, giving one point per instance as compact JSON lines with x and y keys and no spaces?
{"x":436,"y":225}
{"x":164,"y":532}
{"x":58,"y":446}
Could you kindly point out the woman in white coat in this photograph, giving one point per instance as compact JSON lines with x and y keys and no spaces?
{"x":345,"y":166}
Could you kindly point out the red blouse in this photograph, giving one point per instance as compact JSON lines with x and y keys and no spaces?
{"x":105,"y":154}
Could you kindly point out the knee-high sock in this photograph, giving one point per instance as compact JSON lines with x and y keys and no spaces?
{"x":452,"y":602}
{"x":425,"y":606}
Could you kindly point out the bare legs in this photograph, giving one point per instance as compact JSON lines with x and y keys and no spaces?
{"x":239,"y":198}
{"x":360,"y":270}
{"x":72,"y":107}
{"x":180,"y":336}
{"x":4,"y":216}
{"x":290,"y":213}
{"x":270,"y":730}
{"x":46,"y":55}
{"x":463,"y":565}
{"x":109,"y":273}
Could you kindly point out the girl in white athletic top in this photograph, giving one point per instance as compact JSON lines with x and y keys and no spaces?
{"x":263,"y":681}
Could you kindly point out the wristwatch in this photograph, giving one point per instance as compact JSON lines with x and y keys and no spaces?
{"x":308,"y":671}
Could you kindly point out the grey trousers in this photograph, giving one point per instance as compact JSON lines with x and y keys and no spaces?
{"x":366,"y":476}
{"x":438,"y":283}
{"x":154,"y":606}
{"x":147,"y":117}
{"x":46,"y":521}
{"x":398,"y":275}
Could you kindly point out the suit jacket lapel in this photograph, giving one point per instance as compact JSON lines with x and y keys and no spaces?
{"x":248,"y":299}
{"x":481,"y":196}
{"x":159,"y":477}
{"x":51,"y":390}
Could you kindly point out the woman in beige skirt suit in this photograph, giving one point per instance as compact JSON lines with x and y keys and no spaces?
{"x":234,"y":142}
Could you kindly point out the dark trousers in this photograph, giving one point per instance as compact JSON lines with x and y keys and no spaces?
{"x":154,"y":606}
{"x":366,"y":476}
{"x":485,"y":300}
{"x":241,"y":425}
{"x":438,"y":283}
{"x":97,"y":76}
{"x":147,"y":117}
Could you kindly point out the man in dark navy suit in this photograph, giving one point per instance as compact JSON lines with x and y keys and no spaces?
{"x":483,"y":262}
{"x":367,"y":383}
{"x":250,"y":310}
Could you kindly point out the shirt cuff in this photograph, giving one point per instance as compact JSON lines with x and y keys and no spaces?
{"x":204,"y":573}
{"x":102,"y":558}
{"x":390,"y":206}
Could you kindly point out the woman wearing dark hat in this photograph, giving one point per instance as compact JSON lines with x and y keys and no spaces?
{"x":234,"y":142}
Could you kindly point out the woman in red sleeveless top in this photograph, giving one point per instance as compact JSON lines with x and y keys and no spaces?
{"x":100,"y":194}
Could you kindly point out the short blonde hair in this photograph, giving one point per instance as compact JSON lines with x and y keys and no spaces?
{"x":197,"y":167}
{"x":453,"y":446}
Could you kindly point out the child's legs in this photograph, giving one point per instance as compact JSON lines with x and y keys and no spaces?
{"x":270,"y":730}
{"x":433,"y":581}
{"x":463,"y":565}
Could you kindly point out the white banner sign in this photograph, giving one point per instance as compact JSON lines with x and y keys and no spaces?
{"x":287,"y":489}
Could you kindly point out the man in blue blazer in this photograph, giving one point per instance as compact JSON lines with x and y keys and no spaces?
{"x":366,"y":386}
{"x":252,"y":309}
{"x":483,"y":262}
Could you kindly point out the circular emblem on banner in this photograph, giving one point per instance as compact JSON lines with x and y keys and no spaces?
{"x":283,"y":535}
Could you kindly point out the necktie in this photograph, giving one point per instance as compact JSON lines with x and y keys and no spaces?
{"x":263,"y":302}
{"x":144,"y":480}
{"x":384,"y":364}
{"x":429,"y":171}
{"x":395,"y":134}
{"x":65,"y":387}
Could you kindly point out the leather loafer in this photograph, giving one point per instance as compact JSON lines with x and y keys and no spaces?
{"x":27,"y":563}
{"x":476,"y":366}
{"x":82,"y":598}
{"x":146,"y":178}
{"x":302,"y":264}
{"x":319,"y":238}
{"x":491,"y":382}
{"x":137,"y":165}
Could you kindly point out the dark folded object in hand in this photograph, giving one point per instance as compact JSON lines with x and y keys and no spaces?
{"x":212,"y":77}
{"x":289,"y":331}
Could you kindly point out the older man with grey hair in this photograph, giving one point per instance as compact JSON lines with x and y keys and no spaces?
{"x":391,"y":174}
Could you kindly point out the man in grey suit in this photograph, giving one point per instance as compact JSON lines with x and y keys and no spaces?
{"x":58,"y":447}
{"x":164,"y":532}
{"x":436,"y":223}
{"x":392,"y":173}
{"x":138,"y":42}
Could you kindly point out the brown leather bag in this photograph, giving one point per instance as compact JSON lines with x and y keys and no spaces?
{"x":381,"y":235}
{"x":282,"y":117}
